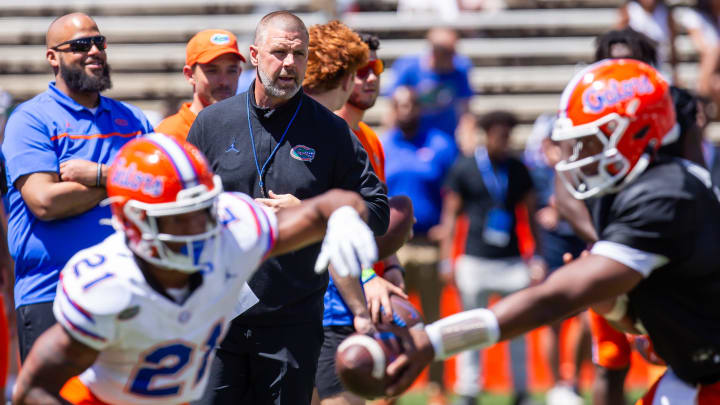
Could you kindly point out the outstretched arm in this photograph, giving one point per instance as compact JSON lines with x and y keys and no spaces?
{"x":567,"y":291}
{"x":570,"y":289}
{"x":55,"y":358}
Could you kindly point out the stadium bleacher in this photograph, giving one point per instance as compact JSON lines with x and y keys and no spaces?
{"x":523,"y":56}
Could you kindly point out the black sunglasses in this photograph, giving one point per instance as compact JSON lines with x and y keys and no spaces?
{"x":82,"y":44}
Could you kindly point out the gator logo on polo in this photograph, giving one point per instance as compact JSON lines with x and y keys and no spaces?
{"x":121,"y":121}
{"x":303,"y":153}
{"x":596,"y":100}
{"x":220,"y":39}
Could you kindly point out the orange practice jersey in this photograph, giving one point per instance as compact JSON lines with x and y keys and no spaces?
{"x":371,"y":143}
{"x":373,"y":147}
{"x":178,"y":124}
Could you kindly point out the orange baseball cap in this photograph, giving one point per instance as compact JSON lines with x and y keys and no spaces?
{"x":209,"y":44}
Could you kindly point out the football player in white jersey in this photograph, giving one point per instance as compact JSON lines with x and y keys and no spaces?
{"x":140,"y":313}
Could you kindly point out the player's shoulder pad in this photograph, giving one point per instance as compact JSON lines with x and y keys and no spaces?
{"x":246,"y":219}
{"x":93,"y":280}
{"x":234,"y":198}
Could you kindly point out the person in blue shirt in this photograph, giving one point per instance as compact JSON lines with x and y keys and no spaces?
{"x":417,"y":159}
{"x":57,"y":147}
{"x":440,"y":78}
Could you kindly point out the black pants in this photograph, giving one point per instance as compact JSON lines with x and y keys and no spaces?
{"x":32,"y":321}
{"x":272,"y":365}
{"x":327,"y":380}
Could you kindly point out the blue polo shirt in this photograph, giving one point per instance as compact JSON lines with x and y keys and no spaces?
{"x":439,"y":94}
{"x":417,"y":168}
{"x":42,"y":132}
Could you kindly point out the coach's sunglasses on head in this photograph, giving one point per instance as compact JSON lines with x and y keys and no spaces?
{"x":82,"y":44}
{"x":376,"y":65}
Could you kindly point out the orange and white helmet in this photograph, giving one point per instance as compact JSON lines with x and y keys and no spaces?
{"x":156,"y":176}
{"x":624,"y":104}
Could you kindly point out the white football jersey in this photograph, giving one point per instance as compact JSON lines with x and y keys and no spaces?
{"x":153,"y":350}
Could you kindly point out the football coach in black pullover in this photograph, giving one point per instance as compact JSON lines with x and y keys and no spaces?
{"x":275,"y":138}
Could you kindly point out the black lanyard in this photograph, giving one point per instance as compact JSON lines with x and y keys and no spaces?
{"x":260,"y":172}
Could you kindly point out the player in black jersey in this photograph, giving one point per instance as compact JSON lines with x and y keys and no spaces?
{"x":655,"y":268}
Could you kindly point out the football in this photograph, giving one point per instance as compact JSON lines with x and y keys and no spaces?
{"x":361,"y":360}
{"x":405,"y":314}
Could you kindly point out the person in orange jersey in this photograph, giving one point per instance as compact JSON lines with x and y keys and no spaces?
{"x":212,"y":67}
{"x":362,"y":98}
{"x":351,"y":305}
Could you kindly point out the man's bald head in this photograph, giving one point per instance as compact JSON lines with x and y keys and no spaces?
{"x":77,"y":71}
{"x":283,"y":20}
{"x":68,"y":26}
{"x":406,"y":109}
{"x":443,"y":37}
{"x":404,"y":94}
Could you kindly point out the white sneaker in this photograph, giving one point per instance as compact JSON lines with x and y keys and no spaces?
{"x":563,"y":395}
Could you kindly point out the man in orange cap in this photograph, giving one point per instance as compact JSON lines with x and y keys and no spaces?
{"x":212,"y":67}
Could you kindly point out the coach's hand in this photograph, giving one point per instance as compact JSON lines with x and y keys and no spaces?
{"x":349,"y":244}
{"x":417,"y":354}
{"x":80,"y":171}
{"x":278,"y":201}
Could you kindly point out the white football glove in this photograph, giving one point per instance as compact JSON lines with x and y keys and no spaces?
{"x":349,"y":244}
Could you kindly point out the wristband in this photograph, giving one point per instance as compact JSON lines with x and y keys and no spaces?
{"x":367,"y":275}
{"x":395,"y":266}
{"x":467,"y":330}
{"x":99,"y":175}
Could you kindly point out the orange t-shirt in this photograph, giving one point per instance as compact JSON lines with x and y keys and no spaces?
{"x":376,"y":154}
{"x":373,"y":147}
{"x":177,"y":124}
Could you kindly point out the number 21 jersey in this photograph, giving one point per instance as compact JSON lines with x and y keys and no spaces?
{"x":152,"y":349}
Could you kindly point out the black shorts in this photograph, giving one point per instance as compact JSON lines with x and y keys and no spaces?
{"x":32,"y":321}
{"x":326,"y":379}
{"x":269,"y":365}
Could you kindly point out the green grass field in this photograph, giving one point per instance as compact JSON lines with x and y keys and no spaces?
{"x":418,"y":398}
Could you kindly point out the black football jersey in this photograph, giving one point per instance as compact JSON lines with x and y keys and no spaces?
{"x":673,"y":210}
